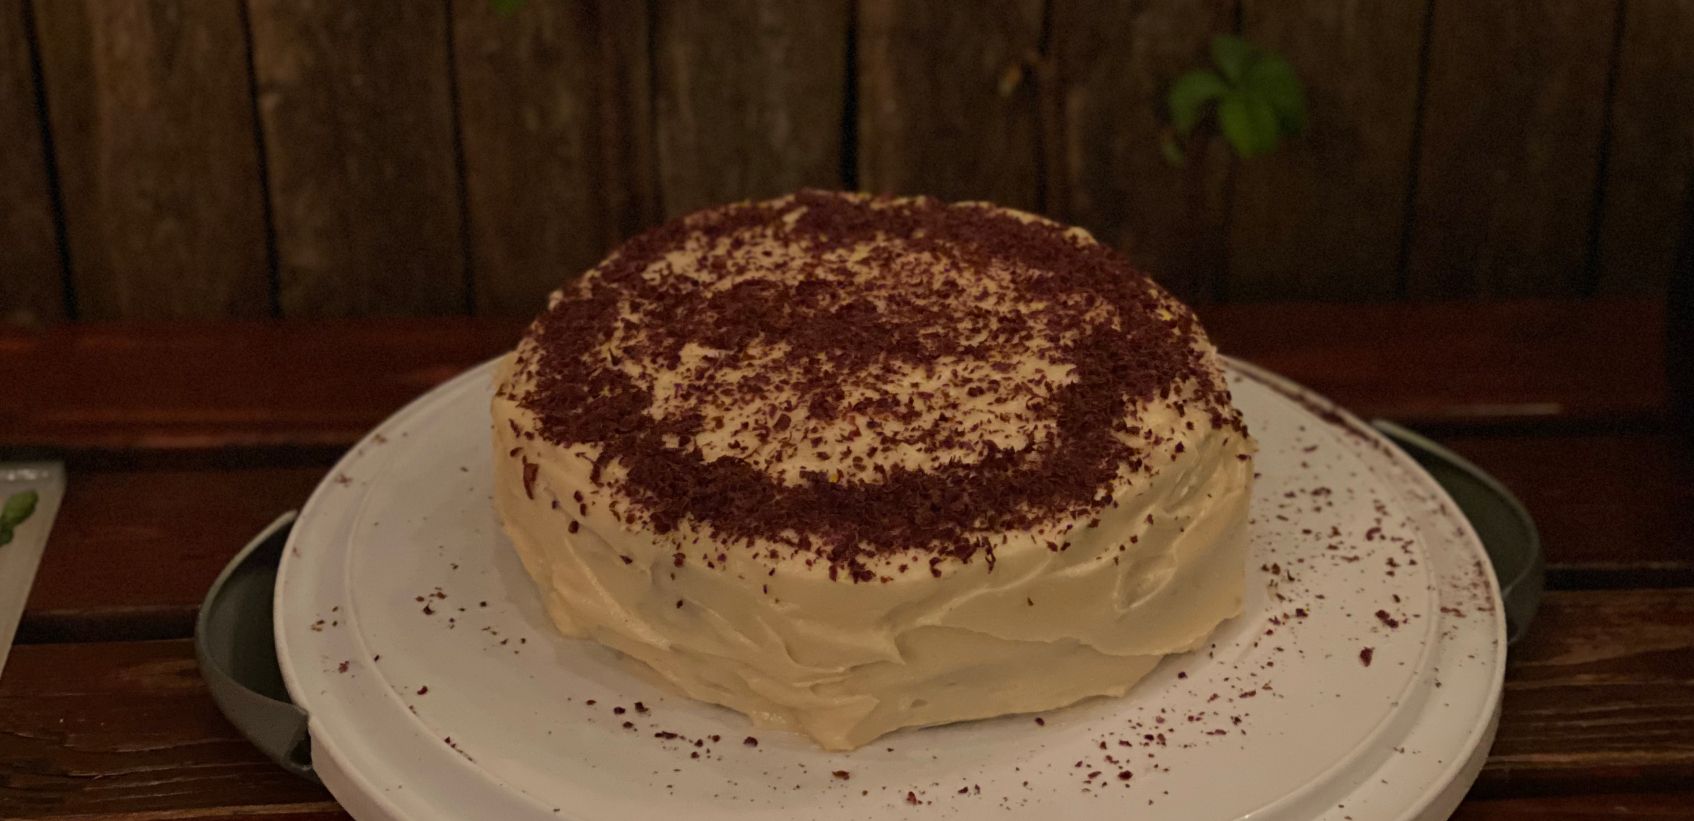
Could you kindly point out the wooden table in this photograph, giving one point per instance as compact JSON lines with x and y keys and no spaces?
{"x":183,"y":440}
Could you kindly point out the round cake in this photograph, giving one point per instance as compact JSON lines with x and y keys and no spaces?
{"x":848,"y":464}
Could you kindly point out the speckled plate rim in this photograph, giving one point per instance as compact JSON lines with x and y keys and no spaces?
{"x":357,"y":790}
{"x":1443,"y":794}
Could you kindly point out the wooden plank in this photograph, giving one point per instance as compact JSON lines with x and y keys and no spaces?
{"x":152,"y":118}
{"x":134,"y":551}
{"x":958,"y":122}
{"x":1667,"y":805}
{"x":308,"y":384}
{"x":357,"y":110}
{"x":750,"y":97}
{"x":33,"y":290}
{"x":310,"y":811}
{"x":1650,"y":155}
{"x":1610,"y":508}
{"x":1324,"y":217}
{"x":554,"y":107}
{"x":1598,"y":697}
{"x":117,"y":730}
{"x":1510,"y":147}
{"x":1456,"y":365}
{"x":125,"y":386}
{"x":1114,"y":63}
{"x":1597,"y":701}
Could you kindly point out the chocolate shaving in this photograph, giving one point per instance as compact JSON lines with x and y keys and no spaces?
{"x":830,"y":327}
{"x":529,"y":471}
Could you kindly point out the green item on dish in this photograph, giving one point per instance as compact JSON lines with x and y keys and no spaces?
{"x":19,"y":506}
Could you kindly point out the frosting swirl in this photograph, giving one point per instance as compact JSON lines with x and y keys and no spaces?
{"x":858,"y":377}
{"x":850,"y":464}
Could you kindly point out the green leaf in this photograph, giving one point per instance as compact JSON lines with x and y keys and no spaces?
{"x":1189,"y":95}
{"x":5,"y":533}
{"x":506,"y":6}
{"x":1174,"y":156}
{"x":1249,"y":124}
{"x":1272,"y":79}
{"x":1232,"y":55}
{"x":19,"y":507}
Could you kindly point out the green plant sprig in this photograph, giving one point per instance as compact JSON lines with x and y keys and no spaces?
{"x":19,"y":506}
{"x":1254,"y":95}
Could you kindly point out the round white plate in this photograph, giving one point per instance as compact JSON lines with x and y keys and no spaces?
{"x":437,"y":689}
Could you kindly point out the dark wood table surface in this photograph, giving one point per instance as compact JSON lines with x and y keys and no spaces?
{"x":183,"y":440}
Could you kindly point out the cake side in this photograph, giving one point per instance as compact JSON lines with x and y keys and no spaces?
{"x":849,"y":464}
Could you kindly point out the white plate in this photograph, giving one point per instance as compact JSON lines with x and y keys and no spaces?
{"x":397,"y":578}
{"x":19,"y":559}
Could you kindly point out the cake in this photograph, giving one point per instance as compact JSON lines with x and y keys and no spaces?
{"x":848,"y":464}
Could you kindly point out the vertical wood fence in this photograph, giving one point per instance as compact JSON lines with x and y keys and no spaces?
{"x":313,"y":158}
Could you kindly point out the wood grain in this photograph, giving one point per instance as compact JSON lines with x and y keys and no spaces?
{"x":957,"y":122}
{"x":1611,"y":508}
{"x":358,"y":124}
{"x":32,"y":292}
{"x":1463,"y":365}
{"x":1597,"y":699}
{"x":205,"y":388}
{"x":1668,"y":805}
{"x":118,"y":730}
{"x":750,"y":99}
{"x":1510,"y":148}
{"x":1323,"y":218}
{"x":1650,"y":155}
{"x":1114,"y":62}
{"x":554,"y":106}
{"x":134,"y":551}
{"x":152,"y":119}
{"x":132,"y":556}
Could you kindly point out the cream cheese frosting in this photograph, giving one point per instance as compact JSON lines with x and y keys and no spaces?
{"x":850,"y":464}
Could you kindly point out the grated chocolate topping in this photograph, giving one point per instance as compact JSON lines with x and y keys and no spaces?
{"x":851,"y":377}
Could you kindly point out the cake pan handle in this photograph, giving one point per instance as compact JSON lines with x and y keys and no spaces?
{"x":1501,"y":521}
{"x":236,"y":649}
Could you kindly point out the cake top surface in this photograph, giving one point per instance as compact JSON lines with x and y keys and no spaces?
{"x":854,"y":376}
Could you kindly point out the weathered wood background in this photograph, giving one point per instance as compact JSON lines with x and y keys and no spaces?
{"x":237,"y":158}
